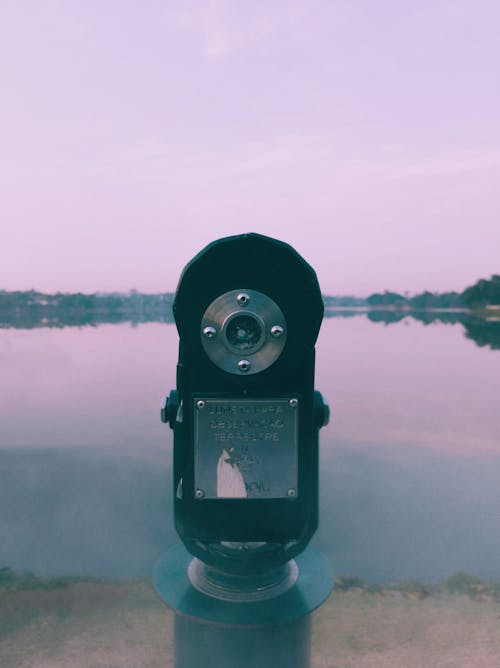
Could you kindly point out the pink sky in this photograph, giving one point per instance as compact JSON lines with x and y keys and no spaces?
{"x":366,"y":134}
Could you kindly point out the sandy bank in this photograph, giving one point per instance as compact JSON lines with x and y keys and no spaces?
{"x":106,"y":625}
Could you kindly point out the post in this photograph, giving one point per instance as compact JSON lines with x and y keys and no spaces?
{"x":230,"y":624}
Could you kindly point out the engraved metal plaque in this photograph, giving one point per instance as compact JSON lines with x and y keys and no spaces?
{"x":245,"y":448}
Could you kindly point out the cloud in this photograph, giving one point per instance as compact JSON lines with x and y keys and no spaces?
{"x":399,"y":163}
{"x":227,"y":27}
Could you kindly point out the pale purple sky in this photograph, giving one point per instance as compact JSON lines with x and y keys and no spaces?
{"x":366,"y":134}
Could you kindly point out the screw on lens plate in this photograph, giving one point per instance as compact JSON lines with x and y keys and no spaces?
{"x":210,"y":332}
{"x":199,"y":494}
{"x":200,"y":404}
{"x":244,"y":365}
{"x":243,"y":299}
{"x":277,"y":331}
{"x":294,"y":403}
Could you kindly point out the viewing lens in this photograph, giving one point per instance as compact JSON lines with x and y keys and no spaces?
{"x":244,"y":333}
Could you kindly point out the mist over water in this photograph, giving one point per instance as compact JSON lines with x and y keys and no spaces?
{"x":410,"y":463}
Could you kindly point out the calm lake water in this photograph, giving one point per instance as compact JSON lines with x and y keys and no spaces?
{"x":410,"y":462}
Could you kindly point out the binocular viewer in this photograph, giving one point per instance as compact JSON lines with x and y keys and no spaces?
{"x":245,"y":414}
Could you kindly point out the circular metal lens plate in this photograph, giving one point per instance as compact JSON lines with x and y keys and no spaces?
{"x":245,"y":330}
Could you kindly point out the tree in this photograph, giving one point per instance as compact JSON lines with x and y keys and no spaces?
{"x":483,"y":293}
{"x":387,"y":298}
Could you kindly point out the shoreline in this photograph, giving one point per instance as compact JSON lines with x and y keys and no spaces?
{"x":463,"y":584}
{"x":103,"y":624}
{"x":45,"y":317}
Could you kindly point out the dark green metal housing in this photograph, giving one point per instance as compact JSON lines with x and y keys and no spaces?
{"x":277,"y":528}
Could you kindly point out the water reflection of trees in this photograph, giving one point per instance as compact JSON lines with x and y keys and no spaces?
{"x":485,"y":332}
{"x":387,"y":317}
{"x":425,"y":317}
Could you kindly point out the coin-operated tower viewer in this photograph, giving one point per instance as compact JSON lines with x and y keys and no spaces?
{"x":246,"y":418}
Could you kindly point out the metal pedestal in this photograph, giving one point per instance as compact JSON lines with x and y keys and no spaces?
{"x":227,"y":625}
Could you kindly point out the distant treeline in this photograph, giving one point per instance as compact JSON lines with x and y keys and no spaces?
{"x":35,"y":309}
{"x":483,"y":294}
{"x":30,"y":308}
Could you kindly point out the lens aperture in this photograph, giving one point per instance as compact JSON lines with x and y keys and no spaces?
{"x":244,"y":332}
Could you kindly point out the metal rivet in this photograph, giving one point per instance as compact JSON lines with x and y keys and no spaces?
{"x":277,"y":331}
{"x":200,"y":404}
{"x":210,"y":332}
{"x":244,"y":365}
{"x":243,"y":299}
{"x":199,"y":494}
{"x":291,"y":492}
{"x":294,"y":403}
